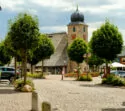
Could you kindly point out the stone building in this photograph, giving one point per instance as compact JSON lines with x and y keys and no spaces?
{"x":59,"y":60}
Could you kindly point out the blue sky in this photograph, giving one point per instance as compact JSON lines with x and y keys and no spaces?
{"x":54,"y":15}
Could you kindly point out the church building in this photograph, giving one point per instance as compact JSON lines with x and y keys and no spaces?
{"x":76,"y":28}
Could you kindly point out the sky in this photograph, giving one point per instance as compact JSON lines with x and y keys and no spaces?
{"x":54,"y":15}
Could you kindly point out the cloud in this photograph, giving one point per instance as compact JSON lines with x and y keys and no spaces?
{"x":11,"y":4}
{"x":53,"y":29}
{"x":54,"y":15}
{"x":60,"y":4}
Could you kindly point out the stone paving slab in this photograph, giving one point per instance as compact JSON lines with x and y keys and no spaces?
{"x":71,"y":95}
{"x":11,"y":100}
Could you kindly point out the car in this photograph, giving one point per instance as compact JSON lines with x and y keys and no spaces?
{"x":8,"y":73}
{"x":120,"y":73}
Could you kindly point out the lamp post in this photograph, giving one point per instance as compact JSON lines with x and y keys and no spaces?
{"x":63,"y":70}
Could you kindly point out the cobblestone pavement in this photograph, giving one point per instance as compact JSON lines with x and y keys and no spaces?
{"x":11,"y":100}
{"x":69,"y":95}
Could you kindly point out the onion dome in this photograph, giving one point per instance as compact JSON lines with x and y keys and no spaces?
{"x":77,"y":16}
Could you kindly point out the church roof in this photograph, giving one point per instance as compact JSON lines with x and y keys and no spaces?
{"x":59,"y":41}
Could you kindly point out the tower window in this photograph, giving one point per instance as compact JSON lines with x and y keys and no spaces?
{"x":84,"y":29}
{"x":74,"y":29}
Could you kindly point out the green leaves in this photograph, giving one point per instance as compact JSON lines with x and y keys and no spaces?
{"x":76,"y":50}
{"x":4,"y":56}
{"x":24,"y":32}
{"x":106,"y":42}
{"x":44,"y":49}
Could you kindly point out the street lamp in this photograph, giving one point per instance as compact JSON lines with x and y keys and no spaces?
{"x":63,"y":70}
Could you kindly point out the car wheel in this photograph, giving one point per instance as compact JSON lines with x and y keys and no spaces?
{"x":12,"y":80}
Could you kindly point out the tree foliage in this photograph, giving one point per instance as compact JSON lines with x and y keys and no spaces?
{"x":76,"y":50}
{"x":106,"y":42}
{"x":95,"y":60}
{"x":44,"y":50}
{"x":23,"y":34}
{"x":4,"y":56}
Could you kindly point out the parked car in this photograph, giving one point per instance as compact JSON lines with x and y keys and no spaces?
{"x":8,"y":73}
{"x":120,"y":73}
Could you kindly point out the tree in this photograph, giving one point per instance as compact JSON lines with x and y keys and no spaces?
{"x":44,"y":50}
{"x":106,"y":42}
{"x":4,"y":56}
{"x":76,"y":51}
{"x":32,"y":59}
{"x":11,"y":51}
{"x":23,"y":33}
{"x":95,"y":60}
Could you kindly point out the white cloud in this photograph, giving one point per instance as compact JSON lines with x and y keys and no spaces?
{"x":36,"y":6}
{"x":12,"y":4}
{"x":53,"y":29}
{"x":53,"y":3}
{"x":92,"y":27}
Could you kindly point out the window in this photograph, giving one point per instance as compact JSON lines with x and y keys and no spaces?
{"x":84,"y":29}
{"x":74,"y":29}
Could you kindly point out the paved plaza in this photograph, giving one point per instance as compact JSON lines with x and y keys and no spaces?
{"x":67,"y":95}
{"x":11,"y":100}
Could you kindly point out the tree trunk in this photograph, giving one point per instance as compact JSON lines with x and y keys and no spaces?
{"x":31,"y":69}
{"x":78,"y":71}
{"x":24,"y":65}
{"x":106,"y":69}
{"x":15,"y":65}
{"x":42,"y":68}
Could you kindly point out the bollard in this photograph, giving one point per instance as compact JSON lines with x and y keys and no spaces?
{"x":34,"y":101}
{"x":46,"y":106}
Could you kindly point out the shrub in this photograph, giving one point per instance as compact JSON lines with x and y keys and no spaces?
{"x":70,"y":75}
{"x":35,"y":75}
{"x":85,"y":78}
{"x":113,"y":80}
{"x":19,"y":83}
{"x":94,"y":74}
{"x":118,"y":81}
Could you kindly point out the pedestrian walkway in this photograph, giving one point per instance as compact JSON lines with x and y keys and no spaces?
{"x":11,"y":100}
{"x":69,"y":95}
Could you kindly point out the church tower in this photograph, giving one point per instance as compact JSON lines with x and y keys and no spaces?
{"x":76,"y":28}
